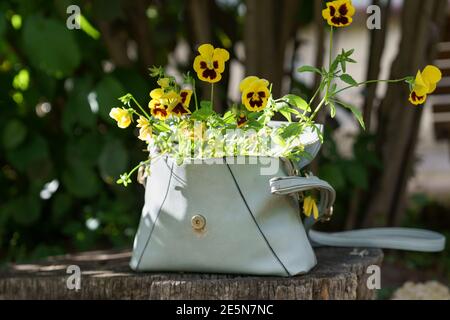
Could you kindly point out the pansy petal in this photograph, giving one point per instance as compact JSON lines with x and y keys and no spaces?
{"x":315,"y":210}
{"x":199,"y":64}
{"x":416,"y":99}
{"x":186,"y":97}
{"x":420,"y":87}
{"x":221,"y":54}
{"x":350,"y":9}
{"x":431,"y":76}
{"x":245,"y":83}
{"x":157,"y":93}
{"x":206,"y":50}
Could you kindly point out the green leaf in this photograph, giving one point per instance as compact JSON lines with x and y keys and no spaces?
{"x":113,"y":160}
{"x":206,"y":105}
{"x":202,"y":114}
{"x":287,"y":114}
{"x":332,"y":109}
{"x":29,"y":153}
{"x":296,"y":101}
{"x":24,"y":210}
{"x":80,"y":180}
{"x":291,"y":130}
{"x":356,"y":113}
{"x":357,"y":174}
{"x":50,"y":46}
{"x":333,"y":174}
{"x":309,"y":69}
{"x":78,"y":111}
{"x":161,"y":126}
{"x":107,"y":91}
{"x":229,"y":117}
{"x":85,"y":148}
{"x":14,"y":134}
{"x":348,"y":79}
{"x":61,"y":205}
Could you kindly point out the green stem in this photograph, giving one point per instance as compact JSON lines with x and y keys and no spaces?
{"x":195,"y":94}
{"x":322,"y":102}
{"x":314,"y":96}
{"x":137,"y":167}
{"x":369,"y":82}
{"x":330,"y":59}
{"x":140,"y":107}
{"x":212,"y":96}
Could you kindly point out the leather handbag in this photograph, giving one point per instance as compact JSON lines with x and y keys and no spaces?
{"x":242,"y":215}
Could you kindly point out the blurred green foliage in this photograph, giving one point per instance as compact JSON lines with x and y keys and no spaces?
{"x":54,"y":126}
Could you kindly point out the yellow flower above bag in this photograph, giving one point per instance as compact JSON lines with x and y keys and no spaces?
{"x":255,"y":93}
{"x":425,"y":84}
{"x":122,"y":116}
{"x":210,"y":64}
{"x":339,"y":13}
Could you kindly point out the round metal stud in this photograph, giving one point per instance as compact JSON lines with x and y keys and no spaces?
{"x":198,"y":222}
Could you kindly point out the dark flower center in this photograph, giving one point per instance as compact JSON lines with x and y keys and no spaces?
{"x":340,"y":20}
{"x":241,"y":121}
{"x":415,"y":97}
{"x":343,"y":10}
{"x":209,"y":73}
{"x":183,"y":96}
{"x":179,"y":109}
{"x":332,"y":11}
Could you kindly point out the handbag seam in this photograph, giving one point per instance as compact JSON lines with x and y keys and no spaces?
{"x":256,"y":222}
{"x":156,"y":219}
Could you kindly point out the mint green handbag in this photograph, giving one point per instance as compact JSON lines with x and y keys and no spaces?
{"x":242,"y":215}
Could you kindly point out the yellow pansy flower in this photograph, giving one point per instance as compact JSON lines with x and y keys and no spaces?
{"x":158,"y":106}
{"x":164,"y":82}
{"x":339,"y":13}
{"x":210,"y":64}
{"x":241,"y":120}
{"x":145,"y":130}
{"x":310,"y":206}
{"x":180,"y":106}
{"x":255,"y":93}
{"x":122,"y":116}
{"x":424,"y":84}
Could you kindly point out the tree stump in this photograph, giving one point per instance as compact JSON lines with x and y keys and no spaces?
{"x":341,"y":273}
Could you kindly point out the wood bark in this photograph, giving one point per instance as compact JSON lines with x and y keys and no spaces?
{"x":141,"y":33}
{"x":340,"y":274}
{"x":269,"y":26}
{"x":398,"y":123}
{"x":377,"y":43}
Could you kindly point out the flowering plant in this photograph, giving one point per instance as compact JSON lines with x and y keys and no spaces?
{"x":176,"y":123}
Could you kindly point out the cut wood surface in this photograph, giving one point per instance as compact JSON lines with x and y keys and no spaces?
{"x":341,"y":273}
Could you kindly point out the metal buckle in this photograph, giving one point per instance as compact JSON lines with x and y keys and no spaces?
{"x":327,"y":215}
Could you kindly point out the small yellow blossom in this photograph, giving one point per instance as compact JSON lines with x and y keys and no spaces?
{"x":164,"y":82}
{"x":210,"y":64}
{"x":241,"y":120}
{"x":310,"y":206}
{"x":122,"y":116}
{"x":180,"y":106}
{"x":339,"y":13}
{"x":158,"y":105}
{"x":425,"y":84}
{"x":145,"y":130}
{"x":255,"y":93}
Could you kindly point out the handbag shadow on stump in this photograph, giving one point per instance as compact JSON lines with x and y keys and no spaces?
{"x":242,"y":215}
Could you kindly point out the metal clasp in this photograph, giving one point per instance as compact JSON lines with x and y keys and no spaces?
{"x":198,"y":222}
{"x":327,"y":215}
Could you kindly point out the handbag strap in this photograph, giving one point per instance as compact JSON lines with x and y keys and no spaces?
{"x":388,"y":238}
